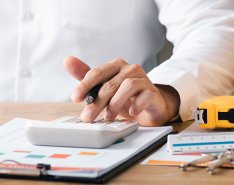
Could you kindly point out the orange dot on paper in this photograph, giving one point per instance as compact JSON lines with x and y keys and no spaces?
{"x":59,"y":156}
{"x":88,"y":153}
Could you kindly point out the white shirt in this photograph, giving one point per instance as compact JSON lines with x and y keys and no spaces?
{"x":36,"y":35}
{"x":202,"y":64}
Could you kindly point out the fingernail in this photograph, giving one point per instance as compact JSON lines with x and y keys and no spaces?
{"x":108,"y":115}
{"x":87,"y":115}
{"x":131,"y":112}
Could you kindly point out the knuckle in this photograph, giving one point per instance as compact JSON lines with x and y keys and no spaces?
{"x":112,"y":107}
{"x":93,"y":72}
{"x":110,"y":86}
{"x":135,"y":68}
{"x":82,"y":87}
{"x":119,"y":61}
{"x":129,"y":83}
{"x":148,"y":93}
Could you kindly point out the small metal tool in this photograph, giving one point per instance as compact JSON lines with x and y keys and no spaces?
{"x":203,"y":159}
{"x":224,"y":158}
{"x":214,"y":161}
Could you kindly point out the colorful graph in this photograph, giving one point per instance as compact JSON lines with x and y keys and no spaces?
{"x":32,"y":155}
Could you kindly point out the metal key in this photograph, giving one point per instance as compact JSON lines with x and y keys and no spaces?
{"x":203,"y":159}
{"x":224,"y":158}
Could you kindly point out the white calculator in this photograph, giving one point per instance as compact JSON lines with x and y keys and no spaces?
{"x":73,"y":132}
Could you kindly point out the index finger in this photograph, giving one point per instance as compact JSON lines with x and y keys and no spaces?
{"x":98,"y":75}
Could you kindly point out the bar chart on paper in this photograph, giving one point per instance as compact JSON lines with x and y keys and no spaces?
{"x":33,"y":155}
{"x":61,"y":160}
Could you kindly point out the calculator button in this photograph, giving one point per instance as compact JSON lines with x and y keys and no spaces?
{"x":119,"y":125}
{"x":73,"y":120}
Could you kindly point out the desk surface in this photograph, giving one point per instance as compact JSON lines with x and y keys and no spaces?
{"x":137,"y":174}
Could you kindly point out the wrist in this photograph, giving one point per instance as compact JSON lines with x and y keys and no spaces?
{"x":172,"y":100}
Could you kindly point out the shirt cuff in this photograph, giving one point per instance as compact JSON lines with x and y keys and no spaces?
{"x":184,"y":83}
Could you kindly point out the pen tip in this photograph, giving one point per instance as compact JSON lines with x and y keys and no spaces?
{"x":89,"y":100}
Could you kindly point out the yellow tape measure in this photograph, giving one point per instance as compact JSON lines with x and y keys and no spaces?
{"x":216,"y":112}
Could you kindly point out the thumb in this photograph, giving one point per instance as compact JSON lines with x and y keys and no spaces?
{"x":76,"y":67}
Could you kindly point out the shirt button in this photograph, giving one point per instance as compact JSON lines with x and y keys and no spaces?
{"x":26,"y":73}
{"x":28,"y":16}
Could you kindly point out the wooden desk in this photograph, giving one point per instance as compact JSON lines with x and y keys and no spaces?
{"x":135,"y":175}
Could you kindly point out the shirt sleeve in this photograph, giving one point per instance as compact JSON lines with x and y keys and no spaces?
{"x":202,"y":64}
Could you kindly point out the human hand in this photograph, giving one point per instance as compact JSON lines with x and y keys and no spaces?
{"x":126,"y":91}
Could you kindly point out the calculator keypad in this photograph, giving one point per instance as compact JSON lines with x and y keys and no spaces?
{"x":117,"y":124}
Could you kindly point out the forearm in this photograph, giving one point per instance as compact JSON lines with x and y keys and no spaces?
{"x":202,"y":61}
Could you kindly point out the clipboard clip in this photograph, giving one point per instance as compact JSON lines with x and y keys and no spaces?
{"x":12,"y":167}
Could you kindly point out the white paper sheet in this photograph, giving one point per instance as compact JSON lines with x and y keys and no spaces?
{"x":163,"y":157}
{"x":79,"y":162}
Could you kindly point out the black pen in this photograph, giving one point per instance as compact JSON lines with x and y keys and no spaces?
{"x":92,"y":94}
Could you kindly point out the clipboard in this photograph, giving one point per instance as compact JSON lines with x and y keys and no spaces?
{"x":10,"y":168}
